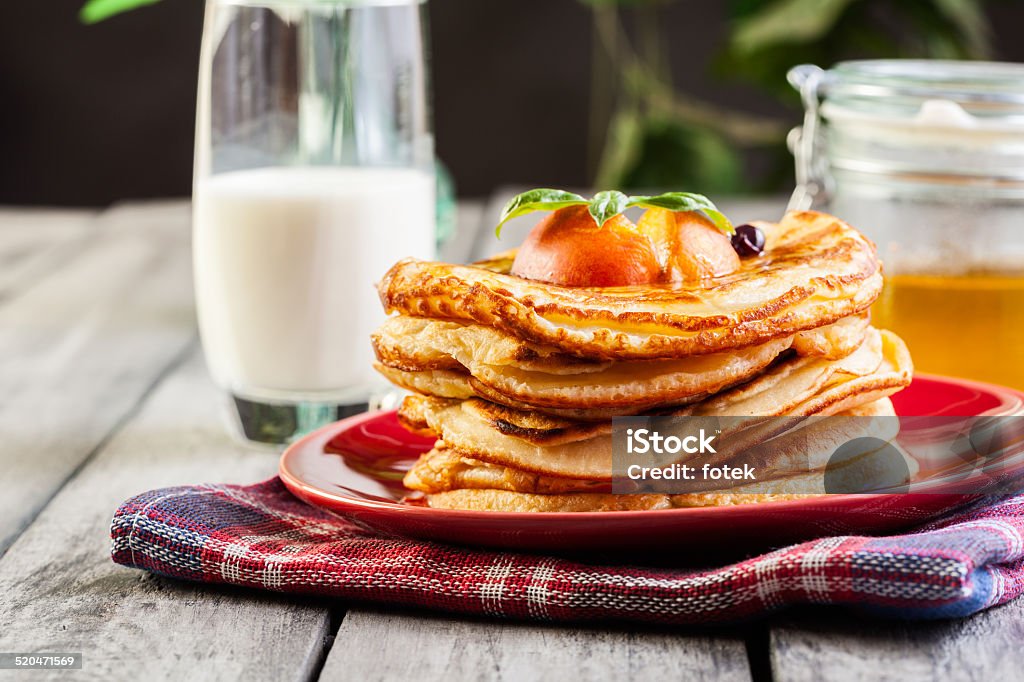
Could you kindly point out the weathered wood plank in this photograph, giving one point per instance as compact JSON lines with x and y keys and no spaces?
{"x":376,"y":645}
{"x":63,"y":593}
{"x":846,"y":647}
{"x":81,"y":346}
{"x":34,"y":242}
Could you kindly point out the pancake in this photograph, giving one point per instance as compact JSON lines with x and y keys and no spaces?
{"x":809,"y":386}
{"x":494,"y":499}
{"x":426,"y":415}
{"x":445,"y":468}
{"x":507,"y":501}
{"x":815,"y":270}
{"x":440,"y":383}
{"x":543,"y":444}
{"x":453,"y":481}
{"x":454,"y":360}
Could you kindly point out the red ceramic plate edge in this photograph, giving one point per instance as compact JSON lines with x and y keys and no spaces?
{"x":317,"y":497}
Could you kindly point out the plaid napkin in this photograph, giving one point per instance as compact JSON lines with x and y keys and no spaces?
{"x":262,"y":536}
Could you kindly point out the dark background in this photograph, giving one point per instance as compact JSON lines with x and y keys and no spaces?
{"x":93,"y":114}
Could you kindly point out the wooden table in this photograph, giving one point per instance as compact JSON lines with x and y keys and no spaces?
{"x":104,"y":395}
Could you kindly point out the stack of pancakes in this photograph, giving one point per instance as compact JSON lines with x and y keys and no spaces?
{"x":519,"y":380}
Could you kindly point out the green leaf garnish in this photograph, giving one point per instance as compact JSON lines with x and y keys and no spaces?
{"x":605,"y":205}
{"x":685,"y":201}
{"x":537,"y":200}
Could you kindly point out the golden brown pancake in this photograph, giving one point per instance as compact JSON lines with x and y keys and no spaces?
{"x":445,"y":468}
{"x":543,"y":444}
{"x":453,"y":481}
{"x":808,"y":386}
{"x":816,"y":270}
{"x":453,"y":360}
{"x":440,"y":383}
{"x":507,"y":501}
{"x":510,"y":500}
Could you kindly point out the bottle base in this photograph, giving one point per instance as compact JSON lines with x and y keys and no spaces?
{"x":277,"y":424}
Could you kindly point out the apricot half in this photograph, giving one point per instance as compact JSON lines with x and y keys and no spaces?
{"x":689,"y":246}
{"x":569,"y":249}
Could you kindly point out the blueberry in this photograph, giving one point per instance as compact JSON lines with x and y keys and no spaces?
{"x":748,"y":241}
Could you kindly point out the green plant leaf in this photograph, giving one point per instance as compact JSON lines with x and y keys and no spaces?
{"x":969,"y":18}
{"x":605,"y":205}
{"x":787,"y":21}
{"x":537,"y":200}
{"x":685,"y":201}
{"x":675,"y":153}
{"x":622,"y":146}
{"x":98,"y":10}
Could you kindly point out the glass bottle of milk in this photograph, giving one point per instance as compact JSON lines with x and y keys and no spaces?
{"x":314,"y":174}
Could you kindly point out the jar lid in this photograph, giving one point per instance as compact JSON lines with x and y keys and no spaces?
{"x":954,"y":125}
{"x":899,"y":87}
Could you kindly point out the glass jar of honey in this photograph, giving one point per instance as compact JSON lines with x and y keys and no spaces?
{"x":927,"y":159}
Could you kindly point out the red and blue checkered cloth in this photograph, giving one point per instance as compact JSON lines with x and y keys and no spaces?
{"x":261,"y":536}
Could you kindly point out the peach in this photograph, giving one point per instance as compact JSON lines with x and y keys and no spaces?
{"x":689,"y":246}
{"x":569,"y":249}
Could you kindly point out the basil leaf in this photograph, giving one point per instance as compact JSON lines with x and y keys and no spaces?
{"x":673,"y":201}
{"x":608,"y":204}
{"x":605,"y":205}
{"x":721,"y":222}
{"x":537,"y":200}
{"x":685,"y":201}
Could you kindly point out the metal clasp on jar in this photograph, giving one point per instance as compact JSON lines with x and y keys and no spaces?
{"x":806,"y":143}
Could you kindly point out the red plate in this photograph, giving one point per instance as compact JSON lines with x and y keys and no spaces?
{"x":355,"y":467}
